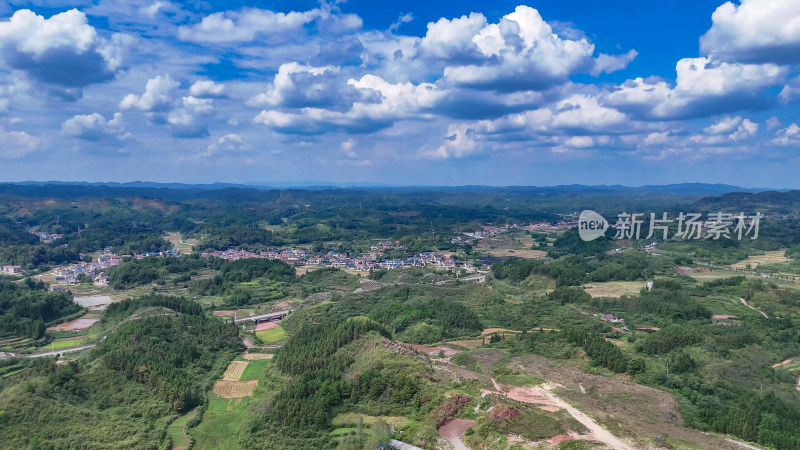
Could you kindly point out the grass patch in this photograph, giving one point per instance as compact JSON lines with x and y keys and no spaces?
{"x":273,"y":335}
{"x":221,"y":422}
{"x":254,"y":370}
{"x":344,"y":431}
{"x":353,"y":418}
{"x":67,"y":343}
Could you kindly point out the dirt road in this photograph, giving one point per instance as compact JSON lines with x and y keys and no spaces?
{"x":744,"y":302}
{"x":598,"y":432}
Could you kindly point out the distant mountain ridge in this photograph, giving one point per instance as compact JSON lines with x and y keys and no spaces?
{"x":572,"y":197}
{"x":769,"y":201}
{"x":675,"y":189}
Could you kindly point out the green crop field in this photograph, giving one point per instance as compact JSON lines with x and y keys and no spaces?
{"x":221,"y":423}
{"x":254,"y":369}
{"x":273,"y":335}
{"x":66,"y":343}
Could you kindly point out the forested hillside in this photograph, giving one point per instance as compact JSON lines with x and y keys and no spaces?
{"x":27,"y":308}
{"x":124,"y":392}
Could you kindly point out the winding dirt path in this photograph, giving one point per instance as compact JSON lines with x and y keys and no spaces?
{"x":744,"y":302}
{"x":598,"y":432}
{"x":546,"y":391}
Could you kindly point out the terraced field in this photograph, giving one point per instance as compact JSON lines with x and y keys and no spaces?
{"x":234,"y":370}
{"x":235,"y":389}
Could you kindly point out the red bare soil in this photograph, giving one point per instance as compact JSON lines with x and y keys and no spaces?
{"x":453,"y":431}
{"x":263,"y":326}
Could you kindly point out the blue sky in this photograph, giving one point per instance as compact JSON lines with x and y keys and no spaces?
{"x":412,"y":93}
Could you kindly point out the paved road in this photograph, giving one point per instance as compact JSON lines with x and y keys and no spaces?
{"x":63,"y":351}
{"x":268,"y":316}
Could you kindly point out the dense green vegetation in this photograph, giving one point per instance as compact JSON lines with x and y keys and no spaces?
{"x":27,"y":308}
{"x":575,"y":270}
{"x":147,"y":270}
{"x":696,"y":340}
{"x":124,"y":392}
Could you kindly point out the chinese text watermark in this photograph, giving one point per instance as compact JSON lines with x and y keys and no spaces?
{"x":715,"y":226}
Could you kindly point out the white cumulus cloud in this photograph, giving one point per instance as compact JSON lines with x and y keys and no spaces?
{"x":63,"y":52}
{"x":157,"y":95}
{"x":242,"y":26}
{"x":94,"y":127}
{"x":207,"y":89}
{"x":755,"y":31}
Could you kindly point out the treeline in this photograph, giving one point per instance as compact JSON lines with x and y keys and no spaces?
{"x":423,"y":322}
{"x":226,"y":283}
{"x":125,"y":308}
{"x":570,"y":243}
{"x":122,"y":393}
{"x":602,"y":352}
{"x":12,"y":233}
{"x":767,"y":420}
{"x":666,"y":299}
{"x":678,"y":336}
{"x":37,"y":256}
{"x":236,"y":236}
{"x":125,"y":238}
{"x":574,"y":270}
{"x":144,"y":271}
{"x":26,"y":308}
{"x":170,"y":355}
{"x":299,"y":413}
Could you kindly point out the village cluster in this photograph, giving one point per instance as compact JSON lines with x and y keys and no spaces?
{"x":95,"y":270}
{"x":361,"y":263}
{"x":486,"y":231}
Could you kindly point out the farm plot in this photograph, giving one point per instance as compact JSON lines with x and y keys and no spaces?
{"x":234,"y":370}
{"x":257,"y":356}
{"x":771,"y":257}
{"x":78,"y":324}
{"x":273,"y":335}
{"x":234,"y":389}
{"x":614,"y":289}
{"x":255,"y":370}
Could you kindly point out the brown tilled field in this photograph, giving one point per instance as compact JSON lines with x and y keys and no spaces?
{"x":234,"y":370}
{"x":78,"y":324}
{"x":256,"y":356}
{"x":235,"y":389}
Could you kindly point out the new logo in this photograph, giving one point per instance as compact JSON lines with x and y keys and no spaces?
{"x":591,"y":225}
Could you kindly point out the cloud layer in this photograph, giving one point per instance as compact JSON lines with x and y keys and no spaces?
{"x":325,"y":87}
